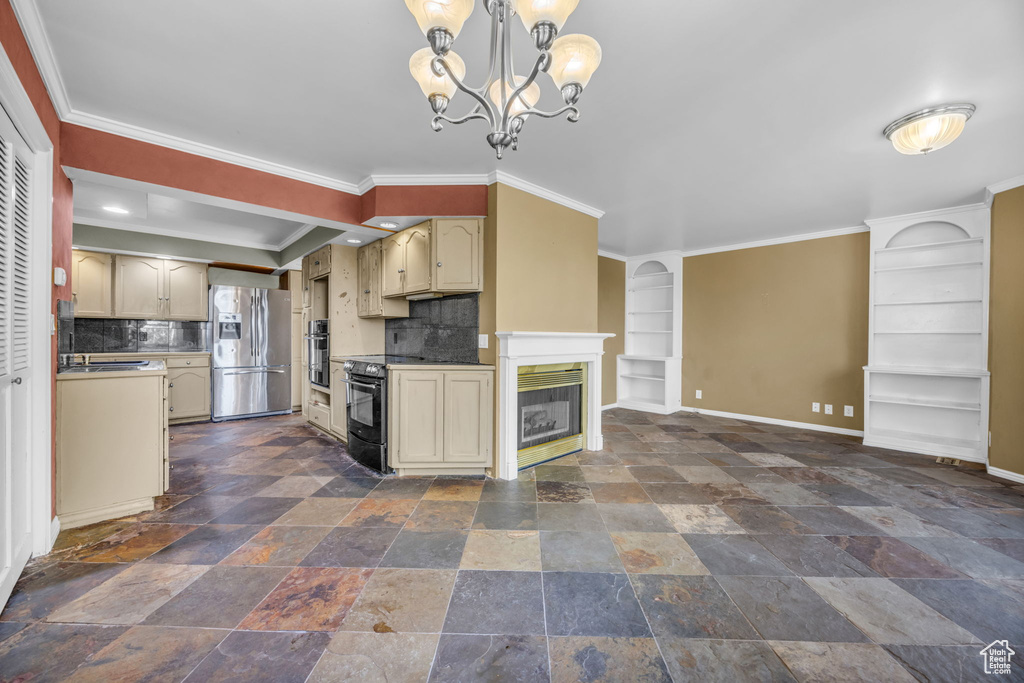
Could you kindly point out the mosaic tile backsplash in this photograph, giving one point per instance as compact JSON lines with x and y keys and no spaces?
{"x":437,"y":329}
{"x":138,"y":336}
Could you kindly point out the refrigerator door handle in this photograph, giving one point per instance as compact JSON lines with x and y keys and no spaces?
{"x":254,"y":372}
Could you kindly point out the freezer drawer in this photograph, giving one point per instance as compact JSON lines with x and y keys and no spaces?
{"x":245,"y":392}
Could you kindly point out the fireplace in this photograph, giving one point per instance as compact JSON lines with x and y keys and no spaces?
{"x":551,"y":412}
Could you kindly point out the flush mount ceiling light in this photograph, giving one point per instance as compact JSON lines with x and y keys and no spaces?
{"x":506,"y":100}
{"x":388,"y":225}
{"x":354,"y":241}
{"x":929,"y":129}
{"x":116,"y":209}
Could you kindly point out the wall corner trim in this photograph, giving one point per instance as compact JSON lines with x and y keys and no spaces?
{"x":39,"y":44}
{"x":54,"y":532}
{"x":992,"y":190}
{"x":1005,"y":474}
{"x":543,"y":193}
{"x":611,"y":255}
{"x":778,"y":240}
{"x":609,"y":407}
{"x":773,"y":421}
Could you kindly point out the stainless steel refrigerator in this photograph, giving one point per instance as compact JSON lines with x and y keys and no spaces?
{"x":251,"y":349}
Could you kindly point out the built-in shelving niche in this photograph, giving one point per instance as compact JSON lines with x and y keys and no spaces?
{"x":650,"y":372}
{"x":926,"y":384}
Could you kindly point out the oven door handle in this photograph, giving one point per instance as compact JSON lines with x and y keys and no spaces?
{"x":359,"y":384}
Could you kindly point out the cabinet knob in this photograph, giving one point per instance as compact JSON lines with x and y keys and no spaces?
{"x":366,"y":291}
{"x":188,"y":362}
{"x":401,"y":270}
{"x":171,"y":409}
{"x":171,"y":385}
{"x":438,"y":264}
{"x":316,"y":263}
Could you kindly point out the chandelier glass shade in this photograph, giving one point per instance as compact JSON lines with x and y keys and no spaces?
{"x":505,"y":100}
{"x":929,"y":129}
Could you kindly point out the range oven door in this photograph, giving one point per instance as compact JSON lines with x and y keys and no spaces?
{"x":367,"y":407}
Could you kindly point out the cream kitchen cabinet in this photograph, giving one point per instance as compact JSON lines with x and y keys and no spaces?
{"x":371,"y":301}
{"x":92,"y":277}
{"x":339,"y":416}
{"x":442,"y":255}
{"x":188,"y":382}
{"x":440,"y":421}
{"x":160,"y":289}
{"x":319,"y":263}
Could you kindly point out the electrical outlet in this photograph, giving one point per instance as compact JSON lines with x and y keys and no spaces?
{"x":847,"y":411}
{"x":482,"y":341}
{"x":828,"y":408}
{"x":700,"y":394}
{"x":815,"y":407}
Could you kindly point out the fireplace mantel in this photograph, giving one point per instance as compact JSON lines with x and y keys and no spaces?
{"x":543,"y":348}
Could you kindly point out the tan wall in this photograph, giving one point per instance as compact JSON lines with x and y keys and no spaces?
{"x":489,"y":297}
{"x":767,"y":331}
{"x":546,"y":265}
{"x":611,"y":318}
{"x":350,"y":334}
{"x":1006,"y":331}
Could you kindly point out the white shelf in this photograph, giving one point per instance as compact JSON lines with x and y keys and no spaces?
{"x":932,"y":332}
{"x":653,"y":378}
{"x":648,"y":312}
{"x":929,"y":247}
{"x":930,"y":266}
{"x":649,"y":331}
{"x":927,"y":438}
{"x":647,"y":275}
{"x":929,"y":303}
{"x":924,"y":370}
{"x":926,"y":403}
{"x":660,"y":359}
{"x":651,"y":289}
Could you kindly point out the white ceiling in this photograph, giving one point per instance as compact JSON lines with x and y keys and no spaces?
{"x":710,"y":122}
{"x":155,"y":213}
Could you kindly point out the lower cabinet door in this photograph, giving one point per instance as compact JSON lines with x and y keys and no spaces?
{"x":468,"y":416}
{"x":420,"y":405}
{"x":339,"y":417}
{"x":188,"y":392}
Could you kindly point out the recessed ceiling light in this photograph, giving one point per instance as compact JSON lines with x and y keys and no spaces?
{"x":389,"y":225}
{"x":354,"y":241}
{"x":929,"y":129}
{"x":116,"y":209}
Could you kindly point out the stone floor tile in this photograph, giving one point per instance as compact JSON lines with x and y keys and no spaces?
{"x":402,"y":601}
{"x":752,"y":475}
{"x":887,"y":613}
{"x":1011,"y":547}
{"x":496,"y":602}
{"x":370,"y":658}
{"x":814,"y":556}
{"x":840,"y":662}
{"x":245,"y":657}
{"x":455,"y":489}
{"x":656,"y":553}
{"x":136,"y":543}
{"x":607,"y":474}
{"x":569,"y":517}
{"x":805,"y":475}
{"x":632,"y":517}
{"x":735,"y":555}
{"x":318,"y":512}
{"x":843,"y":494}
{"x":246,"y":485}
{"x":220,"y":598}
{"x":594,"y":659}
{"x":559,"y":472}
{"x":700,"y":519}
{"x":590,"y":604}
{"x":898,"y":522}
{"x":562,"y":492}
{"x":295,"y":486}
{"x":426,"y":550}
{"x":970,"y":557}
{"x":947,"y":664}
{"x":656,"y":473}
{"x":506,"y":516}
{"x":49,"y":653}
{"x":731,"y":494}
{"x":308,"y":599}
{"x":471,"y":658}
{"x":405,"y":488}
{"x":979,"y":608}
{"x":695,"y":661}
{"x":347,"y":487}
{"x":832,"y":521}
{"x":765,"y":519}
{"x":38,"y":594}
{"x":130,"y":596}
{"x":619,"y":493}
{"x":280,"y":546}
{"x":442,"y":515}
{"x":254,"y":510}
{"x":894,"y":558}
{"x":690,"y":607}
{"x":676,"y":494}
{"x":149,"y":653}
{"x":380,"y":512}
{"x":578,"y":551}
{"x":706,"y":474}
{"x":786,"y":494}
{"x":502,"y":550}
{"x":351,"y":547}
{"x":967,"y":522}
{"x":498,"y":490}
{"x":772,"y":460}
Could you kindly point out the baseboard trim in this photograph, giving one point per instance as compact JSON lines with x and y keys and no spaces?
{"x":908,"y":446}
{"x":54,"y":532}
{"x":774,"y":421}
{"x":609,"y":407}
{"x":1006,"y":474}
{"x":129,"y":507}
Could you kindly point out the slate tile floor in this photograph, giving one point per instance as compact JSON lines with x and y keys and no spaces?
{"x":691,"y":548}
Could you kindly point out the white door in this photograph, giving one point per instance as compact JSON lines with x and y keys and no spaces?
{"x":15,"y":377}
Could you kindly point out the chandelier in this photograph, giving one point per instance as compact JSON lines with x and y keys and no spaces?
{"x":506,"y":100}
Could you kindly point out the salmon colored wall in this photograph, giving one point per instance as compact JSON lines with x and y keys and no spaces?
{"x":18,"y":52}
{"x":425,"y":200}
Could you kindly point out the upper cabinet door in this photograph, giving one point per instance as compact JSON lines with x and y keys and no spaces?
{"x":418,"y":269}
{"x":458,"y":255}
{"x":393,"y":262}
{"x":91,"y":284}
{"x":139,"y":288}
{"x":363,"y":280}
{"x":186,"y":292}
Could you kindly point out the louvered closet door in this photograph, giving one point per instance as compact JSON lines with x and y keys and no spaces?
{"x":15,"y":372}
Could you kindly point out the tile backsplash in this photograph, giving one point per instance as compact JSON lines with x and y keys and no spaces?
{"x":138,"y":336}
{"x":437,"y":329}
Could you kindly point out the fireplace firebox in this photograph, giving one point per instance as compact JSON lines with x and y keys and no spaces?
{"x":551,"y":412}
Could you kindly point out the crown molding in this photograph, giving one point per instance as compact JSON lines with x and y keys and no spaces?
{"x":377,"y":180}
{"x":543,"y":193}
{"x":39,"y":44}
{"x":926,"y":215}
{"x":779,"y":240}
{"x":992,"y":190}
{"x":611,"y":255}
{"x":295,"y":236}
